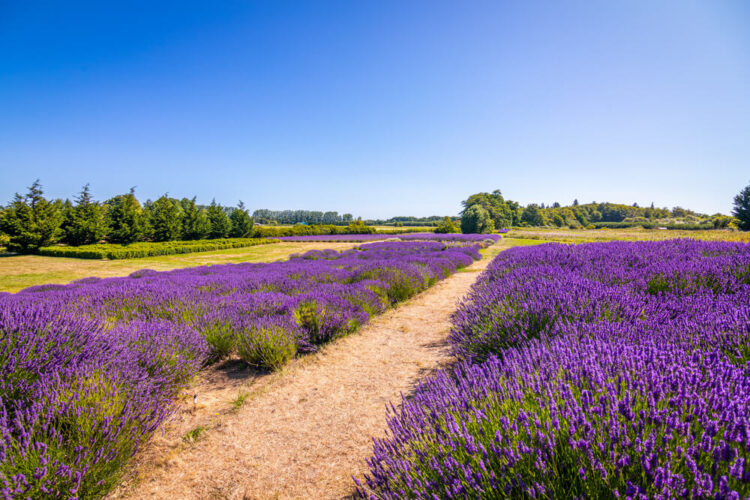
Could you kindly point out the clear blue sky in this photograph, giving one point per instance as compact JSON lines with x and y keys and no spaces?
{"x":378,"y":108}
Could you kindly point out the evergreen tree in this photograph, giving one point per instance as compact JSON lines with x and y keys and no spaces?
{"x":242,"y":223}
{"x":195,"y":225}
{"x":31,"y":221}
{"x":575,"y":202}
{"x":164,"y":217}
{"x":218,"y":220}
{"x":742,"y":208}
{"x":476,"y":219}
{"x":85,"y":223}
{"x":125,"y":218}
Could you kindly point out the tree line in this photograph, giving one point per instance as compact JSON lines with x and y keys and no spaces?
{"x":406,"y":221}
{"x":487,"y":212}
{"x":31,"y":221}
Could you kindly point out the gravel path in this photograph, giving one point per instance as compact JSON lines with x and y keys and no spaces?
{"x":305,"y":431}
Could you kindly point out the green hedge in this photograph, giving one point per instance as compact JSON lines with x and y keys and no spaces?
{"x":314,"y":230}
{"x":139,"y":250}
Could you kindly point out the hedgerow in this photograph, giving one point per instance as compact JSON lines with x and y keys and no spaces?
{"x":140,"y":250}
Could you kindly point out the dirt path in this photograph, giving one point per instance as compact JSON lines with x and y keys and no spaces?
{"x":303,"y":432}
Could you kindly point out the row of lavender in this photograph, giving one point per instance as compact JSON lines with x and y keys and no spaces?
{"x":456,"y":238}
{"x":616,"y":370}
{"x":89,"y":370}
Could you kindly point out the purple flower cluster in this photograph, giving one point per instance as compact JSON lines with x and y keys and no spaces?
{"x":617,"y":370}
{"x":462,"y":238}
{"x":89,"y":370}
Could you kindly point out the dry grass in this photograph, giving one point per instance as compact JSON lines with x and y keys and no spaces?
{"x":20,"y":271}
{"x":304,"y":431}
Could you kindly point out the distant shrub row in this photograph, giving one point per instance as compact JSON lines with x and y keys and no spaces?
{"x":144,"y":249}
{"x":315,"y":230}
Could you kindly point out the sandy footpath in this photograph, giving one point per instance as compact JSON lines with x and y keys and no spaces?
{"x":302,"y":432}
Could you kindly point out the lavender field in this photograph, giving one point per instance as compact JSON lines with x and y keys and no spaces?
{"x":612,"y":370}
{"x":91,"y":369}
{"x":460,"y":238}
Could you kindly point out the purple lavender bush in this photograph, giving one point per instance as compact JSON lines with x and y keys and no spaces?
{"x":632,"y":382}
{"x":72,"y":409}
{"x":89,"y":370}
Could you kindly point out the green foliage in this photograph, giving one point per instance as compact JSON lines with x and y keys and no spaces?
{"x":85,"y":223}
{"x":145,"y":249}
{"x":476,"y":219}
{"x":31,"y":221}
{"x":125,"y":219}
{"x":195,"y":224}
{"x":242,"y":223}
{"x":194,"y":435}
{"x":220,"y":336}
{"x":742,"y":208}
{"x":446,"y":226}
{"x":303,"y":230}
{"x":219,"y":222}
{"x":164,"y":219}
{"x":267,"y":348}
{"x":504,"y":213}
{"x":532,"y":215}
{"x":239,"y":401}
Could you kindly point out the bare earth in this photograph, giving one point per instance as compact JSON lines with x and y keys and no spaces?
{"x":305,"y":431}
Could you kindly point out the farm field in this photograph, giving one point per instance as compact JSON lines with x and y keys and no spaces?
{"x":598,"y":370}
{"x":301,"y":432}
{"x":21,"y":271}
{"x":629,"y":234}
{"x":91,"y":369}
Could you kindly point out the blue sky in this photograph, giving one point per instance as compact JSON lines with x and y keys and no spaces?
{"x":378,"y":108}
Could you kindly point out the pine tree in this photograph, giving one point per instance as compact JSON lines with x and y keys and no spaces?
{"x":125,"y":218}
{"x":219,"y":221}
{"x":31,"y":221}
{"x":742,"y":208}
{"x":164,"y":217}
{"x":195,"y":225}
{"x":85,"y":223}
{"x":242,"y":223}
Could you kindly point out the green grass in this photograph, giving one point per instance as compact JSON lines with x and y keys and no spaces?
{"x":239,"y":400}
{"x":194,"y":435}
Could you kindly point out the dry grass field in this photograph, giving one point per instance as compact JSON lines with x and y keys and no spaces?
{"x":20,"y":271}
